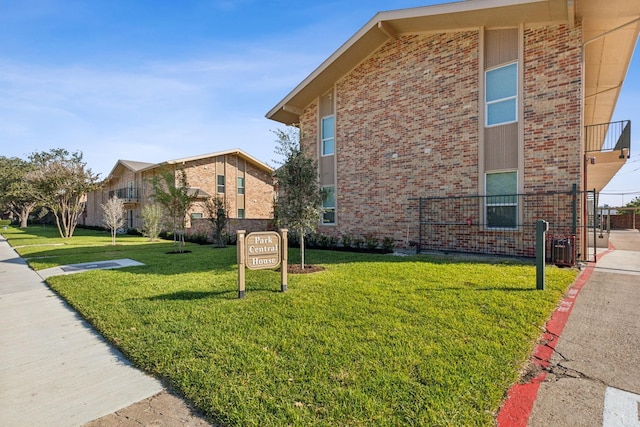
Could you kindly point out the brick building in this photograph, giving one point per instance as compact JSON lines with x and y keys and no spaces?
{"x":456,"y":126}
{"x":244,"y":183}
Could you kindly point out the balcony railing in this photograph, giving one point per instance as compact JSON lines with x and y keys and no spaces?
{"x":127,"y":195}
{"x":608,"y":137}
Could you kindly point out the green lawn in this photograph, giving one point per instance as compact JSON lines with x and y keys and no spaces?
{"x":372,"y":340}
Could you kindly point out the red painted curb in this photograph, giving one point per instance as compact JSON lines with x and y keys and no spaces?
{"x":516,"y":409}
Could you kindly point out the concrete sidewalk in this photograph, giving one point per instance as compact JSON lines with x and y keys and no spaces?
{"x":594,"y":376}
{"x":55,"y":370}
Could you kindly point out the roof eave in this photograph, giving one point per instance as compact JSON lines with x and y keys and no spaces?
{"x":387,"y":25}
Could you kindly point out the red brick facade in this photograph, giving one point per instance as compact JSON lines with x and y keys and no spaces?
{"x":408,"y":124}
{"x":201,"y":173}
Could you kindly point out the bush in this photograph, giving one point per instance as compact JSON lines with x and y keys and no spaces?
{"x":358,"y":242}
{"x":5,"y":222}
{"x":198,"y":238}
{"x":134,"y":232}
{"x":388,"y":245}
{"x":347,"y":241}
{"x":326,"y":241}
{"x":371,"y":241}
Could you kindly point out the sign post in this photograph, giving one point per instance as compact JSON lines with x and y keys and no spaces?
{"x":285,"y":265}
{"x":240,"y":249}
{"x":541,"y":228}
{"x":261,"y":250}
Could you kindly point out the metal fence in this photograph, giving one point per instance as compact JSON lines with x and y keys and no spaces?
{"x":498,"y":225}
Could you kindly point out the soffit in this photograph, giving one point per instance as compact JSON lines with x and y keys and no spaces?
{"x":610,"y":33}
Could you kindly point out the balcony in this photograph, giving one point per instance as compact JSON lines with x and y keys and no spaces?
{"x":127,"y":195}
{"x":607,"y":148}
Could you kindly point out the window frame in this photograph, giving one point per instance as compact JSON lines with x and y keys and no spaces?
{"x":324,"y":140}
{"x":218,"y":185}
{"x":503,"y":201}
{"x":241,"y":188}
{"x":328,"y":209}
{"x":503,"y":100}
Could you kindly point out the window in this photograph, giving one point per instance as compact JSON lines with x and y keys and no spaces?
{"x":241,"y":185}
{"x":501,"y":94}
{"x":502,"y":200}
{"x":329,"y":205}
{"x":240,"y":213}
{"x":221,"y":184}
{"x":328,"y":139}
{"x":196,"y":215}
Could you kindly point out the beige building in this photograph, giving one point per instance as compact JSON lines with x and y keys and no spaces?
{"x":455,"y":127}
{"x":243,"y":182}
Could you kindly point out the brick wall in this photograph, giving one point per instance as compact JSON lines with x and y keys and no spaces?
{"x":407,"y":126}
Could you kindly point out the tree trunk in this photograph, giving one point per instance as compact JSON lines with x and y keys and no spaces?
{"x":24,"y":214}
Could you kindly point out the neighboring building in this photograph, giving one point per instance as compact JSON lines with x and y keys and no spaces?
{"x":455,"y":127}
{"x":244,"y":183}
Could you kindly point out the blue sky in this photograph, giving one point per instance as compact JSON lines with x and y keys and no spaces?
{"x":158,"y":80}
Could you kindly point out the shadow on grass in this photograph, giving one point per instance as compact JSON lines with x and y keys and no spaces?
{"x":474,"y":289}
{"x":191,"y":295}
{"x":220,"y":294}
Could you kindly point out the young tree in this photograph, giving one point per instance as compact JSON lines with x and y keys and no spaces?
{"x":152,"y":218}
{"x":174,"y":195}
{"x":218,"y":215}
{"x":113,"y":216}
{"x":16,"y":193}
{"x":61,"y":180}
{"x":299,"y":203}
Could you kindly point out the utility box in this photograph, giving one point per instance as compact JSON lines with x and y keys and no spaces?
{"x":561,"y":250}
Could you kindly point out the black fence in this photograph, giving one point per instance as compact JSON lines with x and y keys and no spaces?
{"x":503,"y":225}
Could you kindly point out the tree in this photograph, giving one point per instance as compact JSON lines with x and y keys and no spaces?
{"x":113,"y":216}
{"x":61,"y":180}
{"x":218,"y":215}
{"x":16,"y":193}
{"x":299,"y":199}
{"x":152,"y":219}
{"x":635,"y":203}
{"x":174,"y":195}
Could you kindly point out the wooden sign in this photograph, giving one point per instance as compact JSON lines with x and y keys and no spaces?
{"x":263,"y":250}
{"x":260,"y":250}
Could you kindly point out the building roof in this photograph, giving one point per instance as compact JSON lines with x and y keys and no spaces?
{"x":135,"y":166}
{"x":235,"y":151}
{"x":610,"y":32}
{"x":132,"y":165}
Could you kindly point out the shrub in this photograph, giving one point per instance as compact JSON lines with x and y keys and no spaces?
{"x":5,"y":222}
{"x":347,"y":241}
{"x":388,"y":244}
{"x":198,"y":238}
{"x":371,"y":241}
{"x":358,"y":242}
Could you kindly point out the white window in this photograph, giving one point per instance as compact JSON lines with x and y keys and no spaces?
{"x":240,"y":213}
{"x":221,"y":184}
{"x":329,"y":205}
{"x":241,"y":185}
{"x":501,"y":95}
{"x":328,"y":136}
{"x":196,"y":215}
{"x":502,"y":200}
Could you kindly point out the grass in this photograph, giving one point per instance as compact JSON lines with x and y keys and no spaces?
{"x":372,"y":340}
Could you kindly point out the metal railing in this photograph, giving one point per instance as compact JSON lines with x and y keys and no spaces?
{"x":607,"y":137}
{"x":126,"y":194}
{"x":497,"y":225}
